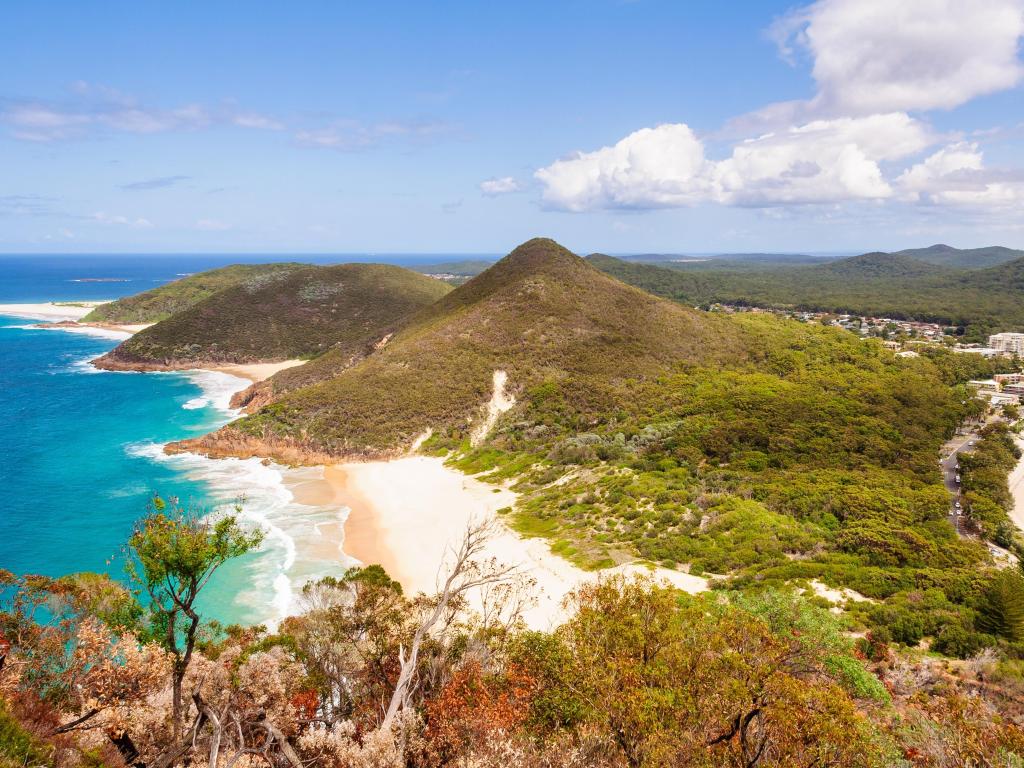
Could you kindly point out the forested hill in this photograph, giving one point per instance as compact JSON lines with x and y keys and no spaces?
{"x":878,"y":265}
{"x":284,"y":314}
{"x":542,"y":315}
{"x":762,"y":449}
{"x":963,"y":258}
{"x":160,"y":303}
{"x":885,"y":285}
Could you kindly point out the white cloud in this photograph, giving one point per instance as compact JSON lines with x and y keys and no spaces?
{"x":500,"y":186}
{"x":956,"y":175}
{"x":824,"y":161}
{"x":874,"y":63}
{"x":902,"y":55}
{"x":651,"y":168}
{"x":99,"y":109}
{"x":819,"y":162}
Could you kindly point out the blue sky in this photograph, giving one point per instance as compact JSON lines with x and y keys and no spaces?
{"x":840,"y":125}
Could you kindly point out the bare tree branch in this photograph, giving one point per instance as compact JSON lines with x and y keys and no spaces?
{"x":464,"y":575}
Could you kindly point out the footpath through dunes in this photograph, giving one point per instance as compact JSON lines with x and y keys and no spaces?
{"x":285,"y":315}
{"x":161,"y":302}
{"x":564,"y":334}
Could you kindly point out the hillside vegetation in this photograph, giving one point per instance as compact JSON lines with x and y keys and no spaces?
{"x":770,"y":455}
{"x":160,"y":303}
{"x":750,"y":446}
{"x":887,"y":285}
{"x":963,"y":258}
{"x":340,"y":310}
{"x":542,"y":315}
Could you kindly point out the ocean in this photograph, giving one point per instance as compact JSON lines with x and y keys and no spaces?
{"x":81,"y":451}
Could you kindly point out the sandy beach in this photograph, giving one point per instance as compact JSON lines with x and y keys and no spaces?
{"x":254,"y":371}
{"x":408,"y":514}
{"x":50,"y":310}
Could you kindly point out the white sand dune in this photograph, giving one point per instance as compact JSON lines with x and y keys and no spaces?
{"x":418,"y":510}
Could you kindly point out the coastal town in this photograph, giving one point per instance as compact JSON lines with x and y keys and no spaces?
{"x":896,"y":334}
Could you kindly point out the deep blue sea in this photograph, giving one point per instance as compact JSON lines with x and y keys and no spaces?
{"x":81,"y":449}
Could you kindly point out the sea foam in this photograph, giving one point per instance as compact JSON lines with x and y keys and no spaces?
{"x":259,"y":488}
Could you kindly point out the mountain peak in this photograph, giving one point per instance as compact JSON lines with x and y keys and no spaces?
{"x":541,"y":254}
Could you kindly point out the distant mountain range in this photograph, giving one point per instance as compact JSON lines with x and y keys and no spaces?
{"x":899,"y":285}
{"x":963,"y":258}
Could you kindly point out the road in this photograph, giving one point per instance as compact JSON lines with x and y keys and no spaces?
{"x":950,"y":458}
{"x":951,"y":452}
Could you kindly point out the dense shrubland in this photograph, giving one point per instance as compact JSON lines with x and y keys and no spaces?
{"x":337,"y":313}
{"x":774,"y":457}
{"x":757,"y":449}
{"x":818,"y":460}
{"x":161,"y":302}
{"x":639,"y":675}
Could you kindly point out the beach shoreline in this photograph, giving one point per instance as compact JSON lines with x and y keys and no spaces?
{"x":410,"y":514}
{"x":405,"y":514}
{"x":67,"y":316}
{"x":54,"y":311}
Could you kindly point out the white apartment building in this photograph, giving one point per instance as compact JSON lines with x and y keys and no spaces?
{"x":1011,"y":343}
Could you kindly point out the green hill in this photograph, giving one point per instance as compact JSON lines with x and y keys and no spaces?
{"x":341,"y":310}
{"x":877,"y":265}
{"x":748,"y":445}
{"x":963,"y":258}
{"x":552,"y":322}
{"x":162,"y":302}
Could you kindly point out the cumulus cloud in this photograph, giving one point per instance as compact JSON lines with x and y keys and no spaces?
{"x":875,"y":63}
{"x":819,"y":162}
{"x":824,"y":161}
{"x":885,"y":55}
{"x":651,"y":168}
{"x":500,"y":186}
{"x":956,"y":175}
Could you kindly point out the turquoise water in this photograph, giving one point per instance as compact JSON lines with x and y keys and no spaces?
{"x":81,"y":449}
{"x":82,"y":454}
